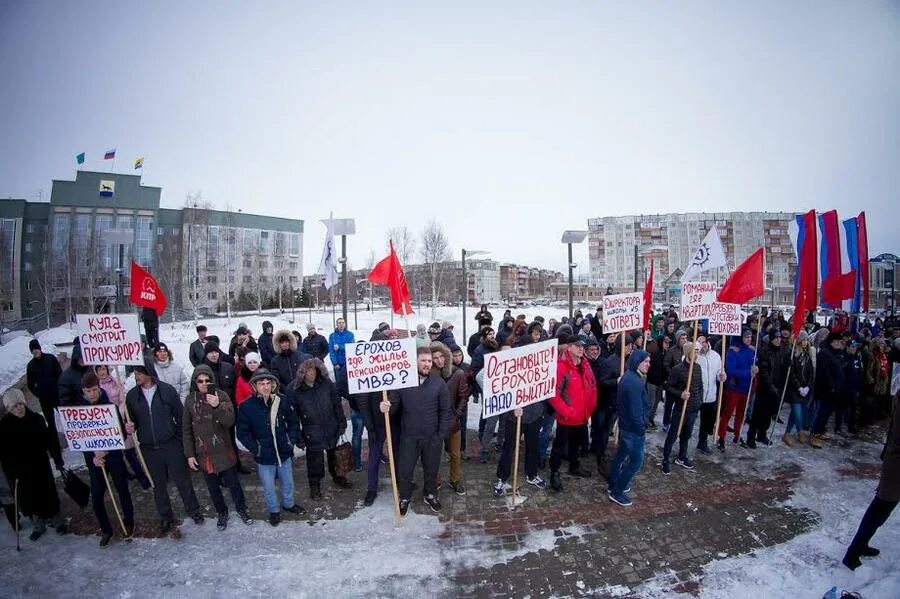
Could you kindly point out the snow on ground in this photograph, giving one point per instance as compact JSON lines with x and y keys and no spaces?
{"x":810,"y":564}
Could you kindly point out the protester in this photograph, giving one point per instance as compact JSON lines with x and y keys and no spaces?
{"x":206,"y":436}
{"x":656,"y":380}
{"x":315,"y":344}
{"x":115,"y":391}
{"x":531,"y":416}
{"x":242,"y":390}
{"x":604,"y":416}
{"x":424,"y":422}
{"x":800,"y":384}
{"x":854,"y":375}
{"x":266,"y":344}
{"x":24,"y":451}
{"x":671,"y":359}
{"x":197,"y":350}
{"x":337,"y":342}
{"x":114,"y":464}
{"x":740,"y":367}
{"x":573,"y":404}
{"x":483,"y":317}
{"x":222,"y":370}
{"x":167,"y":370}
{"x":458,"y":392}
{"x":70,"y":380}
{"x":677,"y":387}
{"x":285,"y":363}
{"x":267,"y":426}
{"x":631,"y":406}
{"x":321,"y":414}
{"x":242,"y":338}
{"x":711,"y":370}
{"x":156,"y":417}
{"x":829,"y":384}
{"x":42,"y":377}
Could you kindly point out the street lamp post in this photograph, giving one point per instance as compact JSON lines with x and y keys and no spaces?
{"x":465,"y":284}
{"x":569,"y":238}
{"x":343,"y":227}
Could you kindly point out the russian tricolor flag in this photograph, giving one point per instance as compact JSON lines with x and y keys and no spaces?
{"x":110,"y":154}
{"x":856,"y":260}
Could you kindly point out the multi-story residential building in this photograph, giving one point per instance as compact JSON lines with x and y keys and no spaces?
{"x":526,"y":282}
{"x":620,"y":248}
{"x":75,"y":251}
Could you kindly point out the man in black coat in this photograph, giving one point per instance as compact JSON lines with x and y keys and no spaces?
{"x":424,"y":423}
{"x":677,"y":387}
{"x":197,"y":350}
{"x":155,"y":412}
{"x":69,"y":384}
{"x":266,"y":347}
{"x":242,"y":338}
{"x":223,"y":371}
{"x":284,"y":364}
{"x":315,"y":344}
{"x":42,"y":376}
{"x":151,"y":325}
{"x":604,"y":416}
{"x":773,"y":364}
{"x":829,"y":384}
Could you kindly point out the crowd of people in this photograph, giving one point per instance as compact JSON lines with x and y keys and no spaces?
{"x":266,"y":398}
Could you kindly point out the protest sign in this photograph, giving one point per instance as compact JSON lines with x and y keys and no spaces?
{"x":109,"y":339}
{"x":517,"y":377}
{"x":381,"y":365}
{"x":623,"y":312}
{"x":696,"y":297}
{"x":92,"y":428}
{"x":725,"y":319}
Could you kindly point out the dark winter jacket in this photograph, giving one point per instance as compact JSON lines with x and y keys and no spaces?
{"x":268,"y":429}
{"x":889,"y":485}
{"x":608,"y":383}
{"x":42,"y":375}
{"x":318,"y":408}
{"x":672,"y":358}
{"x":24,"y":456}
{"x":632,"y":399}
{"x":576,"y":392}
{"x":162,"y":424}
{"x":474,"y":342}
{"x":829,"y":374}
{"x":484,"y":317}
{"x":739,"y":367}
{"x":801,"y":376}
{"x":657,"y":373}
{"x":854,"y":374}
{"x":206,"y":432}
{"x":457,"y":387}
{"x":251,"y":345}
{"x":315,"y":345}
{"x":70,"y":380}
{"x":772,"y":372}
{"x":424,"y":410}
{"x":478,"y":357}
{"x":224,"y":375}
{"x":197,"y":352}
{"x":266,"y":347}
{"x":677,"y":383}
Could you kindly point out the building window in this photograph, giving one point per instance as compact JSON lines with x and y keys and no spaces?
{"x":212,"y":247}
{"x":231,"y":295}
{"x":27,"y":285}
{"x":280,"y":243}
{"x":248,"y":279}
{"x":292,"y":265}
{"x":211,"y":295}
{"x":264,"y":249}
{"x":248,"y":263}
{"x":7,"y":306}
{"x":29,"y":228}
{"x":27,"y":266}
{"x":211,"y":278}
{"x":294,"y":245}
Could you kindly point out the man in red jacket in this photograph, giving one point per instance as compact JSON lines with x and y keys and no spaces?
{"x":574,"y":402}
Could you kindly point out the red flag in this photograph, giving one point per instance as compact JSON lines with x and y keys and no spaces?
{"x":648,"y":297}
{"x":862,"y":245}
{"x":389,"y":272}
{"x":807,"y":275}
{"x":747,"y":281}
{"x":838,"y":288}
{"x":145,"y":291}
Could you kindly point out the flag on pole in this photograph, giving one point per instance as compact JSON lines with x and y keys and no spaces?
{"x":110,"y":154}
{"x":807,"y":270}
{"x":857,"y":255}
{"x":829,"y":243}
{"x":709,"y":255}
{"x":747,"y":281}
{"x":79,"y":158}
{"x":389,"y":272}
{"x":838,"y":288}
{"x":648,"y":297}
{"x":138,"y":163}
{"x":328,"y":263}
{"x":145,"y":291}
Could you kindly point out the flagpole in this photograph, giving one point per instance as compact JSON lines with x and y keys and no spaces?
{"x":784,"y":390}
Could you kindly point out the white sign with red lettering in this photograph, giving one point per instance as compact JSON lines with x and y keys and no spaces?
{"x":725,"y":319}
{"x":92,"y":428}
{"x":381,"y":365}
{"x":109,"y":339}
{"x":623,"y":312}
{"x":696,"y":298}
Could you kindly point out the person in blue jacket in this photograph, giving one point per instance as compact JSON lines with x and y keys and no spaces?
{"x":631,"y":406}
{"x":336,"y":344}
{"x":740,"y":364}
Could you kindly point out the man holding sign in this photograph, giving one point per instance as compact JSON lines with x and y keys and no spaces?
{"x":424,"y":422}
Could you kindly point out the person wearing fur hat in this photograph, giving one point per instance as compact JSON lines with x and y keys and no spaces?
{"x":267,"y":426}
{"x":677,"y":388}
{"x":24,"y":451}
{"x":631,"y":406}
{"x":206,"y":436}
{"x":42,"y":377}
{"x":156,"y":416}
{"x":321,"y":414}
{"x":315,"y":345}
{"x":287,"y":359}
{"x":169,"y":371}
{"x":458,"y":390}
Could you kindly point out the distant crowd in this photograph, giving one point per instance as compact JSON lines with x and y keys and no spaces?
{"x":251,"y":405}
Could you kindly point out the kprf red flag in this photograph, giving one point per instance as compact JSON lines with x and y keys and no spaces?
{"x":389,"y":272}
{"x":747,"y":281}
{"x":648,"y":297}
{"x":145,"y":291}
{"x":807,"y":271}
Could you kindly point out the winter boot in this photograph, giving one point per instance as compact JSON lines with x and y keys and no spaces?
{"x":556,"y":481}
{"x":315,"y":491}
{"x":274,"y":518}
{"x":787,"y":440}
{"x":817,"y":441}
{"x":296,"y":509}
{"x":370,"y":498}
{"x":404,"y":507}
{"x":40,"y":527}
{"x":245,"y":517}
{"x":721,"y":445}
{"x":802,"y":437}
{"x":105,"y":538}
{"x":222,"y":521}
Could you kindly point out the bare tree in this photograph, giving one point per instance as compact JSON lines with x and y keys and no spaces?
{"x":196,"y":219}
{"x":404,"y":243}
{"x":435,"y":252}
{"x":41,"y":281}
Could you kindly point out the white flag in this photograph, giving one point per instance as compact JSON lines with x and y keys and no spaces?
{"x":328,"y":263}
{"x":709,"y":255}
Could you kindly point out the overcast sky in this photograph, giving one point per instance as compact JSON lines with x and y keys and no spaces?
{"x":507,"y":121}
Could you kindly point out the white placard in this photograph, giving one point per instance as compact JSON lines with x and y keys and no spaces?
{"x":696,"y":298}
{"x":92,"y":428}
{"x":515,"y":378}
{"x":623,"y":312}
{"x":381,"y":365}
{"x":110,"y":339}
{"x":725,"y":319}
